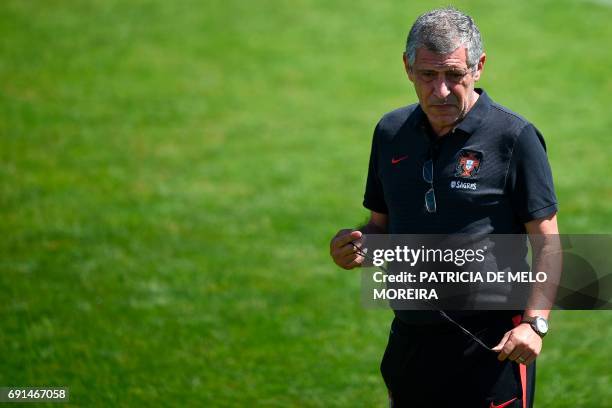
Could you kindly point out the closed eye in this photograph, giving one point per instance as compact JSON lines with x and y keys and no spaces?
{"x":456,"y":75}
{"x":428,"y":75}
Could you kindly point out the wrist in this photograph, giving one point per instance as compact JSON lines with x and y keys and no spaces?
{"x":537,"y":323}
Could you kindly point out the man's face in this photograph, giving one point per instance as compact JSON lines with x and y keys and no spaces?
{"x":444,"y":85}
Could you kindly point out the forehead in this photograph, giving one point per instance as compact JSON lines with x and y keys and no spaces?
{"x":426,"y":59}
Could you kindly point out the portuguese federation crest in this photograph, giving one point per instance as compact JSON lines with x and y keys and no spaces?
{"x":468,"y":163}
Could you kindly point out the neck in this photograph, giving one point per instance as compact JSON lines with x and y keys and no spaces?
{"x":443,"y":130}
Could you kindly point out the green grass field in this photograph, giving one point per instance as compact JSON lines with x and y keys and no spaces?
{"x":171,"y":174}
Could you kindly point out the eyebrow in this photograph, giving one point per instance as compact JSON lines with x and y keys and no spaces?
{"x":456,"y":69}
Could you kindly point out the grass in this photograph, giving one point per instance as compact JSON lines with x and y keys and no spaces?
{"x":171,"y":174}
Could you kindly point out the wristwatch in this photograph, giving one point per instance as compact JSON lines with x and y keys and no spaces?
{"x":538,"y":324}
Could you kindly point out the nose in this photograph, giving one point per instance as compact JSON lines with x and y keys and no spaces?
{"x":441,"y":90}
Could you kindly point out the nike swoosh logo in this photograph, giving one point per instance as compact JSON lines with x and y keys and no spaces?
{"x":503,"y":404}
{"x":395,"y":161}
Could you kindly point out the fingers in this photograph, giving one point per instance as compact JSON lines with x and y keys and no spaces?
{"x":349,"y":261}
{"x":343,"y":252}
{"x":518,"y":346}
{"x":506,"y":350}
{"x":356,"y":262}
{"x":526,"y":358}
{"x":501,"y":342}
{"x":348,"y":249}
{"x":505,"y":346}
{"x":516,"y":352}
{"x":530,"y":359}
{"x":344,"y":237}
{"x":530,"y":352}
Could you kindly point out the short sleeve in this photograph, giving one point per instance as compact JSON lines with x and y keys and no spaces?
{"x":374,"y":199}
{"x":529,"y":179}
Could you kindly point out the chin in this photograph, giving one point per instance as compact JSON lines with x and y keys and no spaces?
{"x":445,"y":120}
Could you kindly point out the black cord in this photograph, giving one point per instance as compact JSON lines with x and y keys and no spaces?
{"x":359,"y":251}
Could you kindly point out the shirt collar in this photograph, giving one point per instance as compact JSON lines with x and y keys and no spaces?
{"x":476,"y":115}
{"x":472,"y":120}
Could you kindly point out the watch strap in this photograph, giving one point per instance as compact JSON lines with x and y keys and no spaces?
{"x":531,"y":321}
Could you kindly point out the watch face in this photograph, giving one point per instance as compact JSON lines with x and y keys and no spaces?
{"x":541,"y":325}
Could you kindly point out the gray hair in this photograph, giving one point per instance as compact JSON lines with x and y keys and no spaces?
{"x":442,"y":31}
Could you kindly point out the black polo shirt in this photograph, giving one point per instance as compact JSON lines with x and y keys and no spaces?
{"x":490,"y":174}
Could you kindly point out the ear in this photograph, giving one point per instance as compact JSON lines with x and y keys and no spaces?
{"x":407,"y":67}
{"x":480,"y":66}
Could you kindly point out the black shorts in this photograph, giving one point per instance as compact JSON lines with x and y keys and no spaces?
{"x":439,"y":366}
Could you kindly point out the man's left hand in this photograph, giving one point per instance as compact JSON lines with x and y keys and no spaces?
{"x":521,"y":344}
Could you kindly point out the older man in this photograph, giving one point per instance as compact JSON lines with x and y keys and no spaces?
{"x":456,"y":162}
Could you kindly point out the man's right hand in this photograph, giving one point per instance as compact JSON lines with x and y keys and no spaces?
{"x":343,"y":252}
